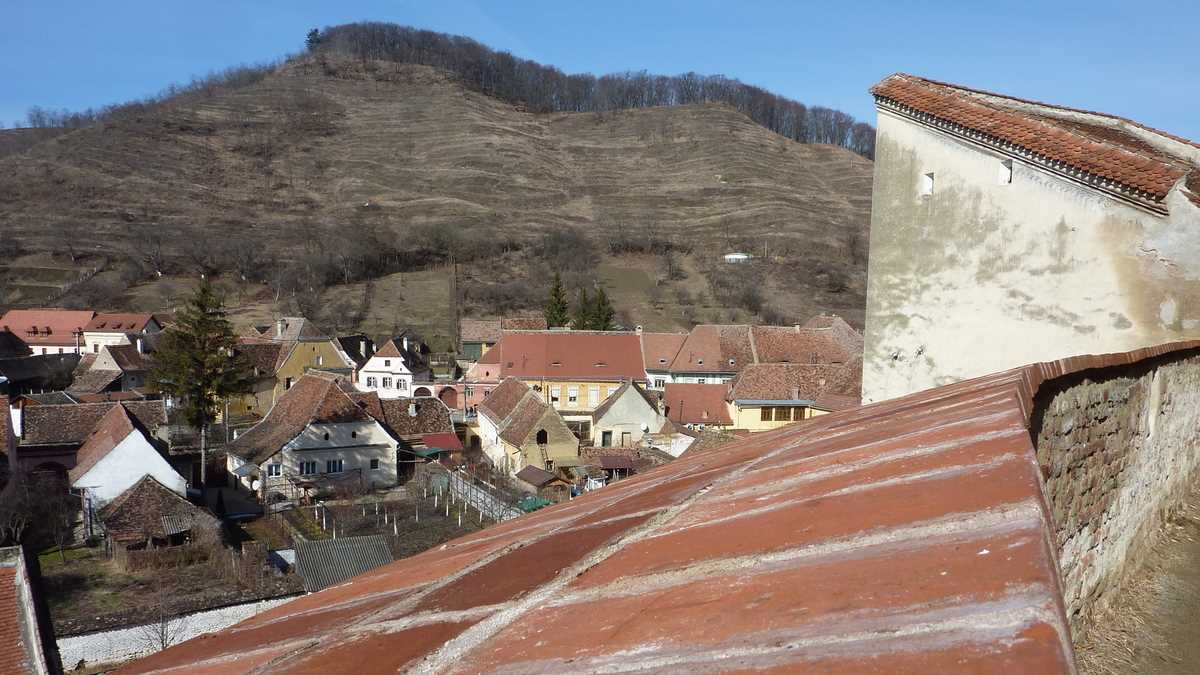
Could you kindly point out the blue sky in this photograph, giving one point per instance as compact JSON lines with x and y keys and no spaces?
{"x":1136,"y":59}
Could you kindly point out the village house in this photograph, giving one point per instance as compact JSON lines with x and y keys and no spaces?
{"x":574,"y":371}
{"x":281,"y":354}
{"x":1007,"y":231}
{"x":517,"y":428}
{"x":391,"y":371}
{"x":658,"y":353}
{"x":116,"y":368}
{"x":11,"y":346}
{"x":316,"y":437}
{"x":422,"y":428}
{"x":625,"y":417}
{"x":765,"y":396}
{"x":148,"y":515}
{"x":48,"y":331}
{"x":117,"y":329}
{"x":49,"y":436}
{"x":115,"y":456}
{"x":717,"y":353}
{"x":697,"y":406}
{"x":476,"y":336}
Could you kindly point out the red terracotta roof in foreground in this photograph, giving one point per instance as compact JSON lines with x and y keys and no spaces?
{"x":1105,"y":148}
{"x":906,"y":536}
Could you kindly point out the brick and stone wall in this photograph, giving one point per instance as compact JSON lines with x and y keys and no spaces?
{"x":1117,"y":448}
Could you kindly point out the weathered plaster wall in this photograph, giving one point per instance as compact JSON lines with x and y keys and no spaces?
{"x":1117,"y":450}
{"x":982,"y":276}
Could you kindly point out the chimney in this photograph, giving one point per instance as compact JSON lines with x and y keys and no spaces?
{"x":141,"y":346}
{"x":280,"y":325}
{"x":795,"y":393}
{"x":638,"y":329}
{"x":412,"y":409}
{"x":404,"y":341}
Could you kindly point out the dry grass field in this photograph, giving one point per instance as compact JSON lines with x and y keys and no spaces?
{"x":318,"y":152}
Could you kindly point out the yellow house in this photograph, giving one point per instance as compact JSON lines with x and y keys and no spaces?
{"x":518,"y":429}
{"x":767,"y":396}
{"x":282,"y":355}
{"x":573,"y":371}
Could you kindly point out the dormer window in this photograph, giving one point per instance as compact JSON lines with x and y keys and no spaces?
{"x":926,"y":184}
{"x":662,"y":361}
{"x":699,"y":362}
{"x":731,"y":362}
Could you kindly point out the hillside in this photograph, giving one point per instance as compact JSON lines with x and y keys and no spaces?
{"x":324,"y":158}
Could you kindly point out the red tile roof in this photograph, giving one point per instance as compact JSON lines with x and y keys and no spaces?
{"x":22,"y":642}
{"x":396,"y":414}
{"x":72,"y":423}
{"x":791,"y":382}
{"x":112,"y":428}
{"x":479,"y":330}
{"x":659,"y":349}
{"x":569,"y":355}
{"x":697,"y":403}
{"x":792,"y":344}
{"x":47,"y":327}
{"x":715,"y":349}
{"x":906,"y":536}
{"x":150,"y":509}
{"x":1106,"y":148}
{"x":523,"y":323}
{"x":315,"y":397}
{"x":119,"y":323}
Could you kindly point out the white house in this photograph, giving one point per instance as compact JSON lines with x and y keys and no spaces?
{"x":117,"y":329}
{"x":116,"y":455}
{"x":314,"y":437}
{"x":625,"y":417}
{"x":391,"y":371}
{"x":736,"y":258}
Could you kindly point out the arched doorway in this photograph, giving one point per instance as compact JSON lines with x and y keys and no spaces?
{"x":449,"y":396}
{"x":422,"y":391}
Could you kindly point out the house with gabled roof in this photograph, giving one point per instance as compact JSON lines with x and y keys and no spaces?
{"x":626,"y":416}
{"x":391,"y":371}
{"x":717,"y":353}
{"x":518,"y":428}
{"x":315,"y":437}
{"x":117,"y":329}
{"x":1006,"y":231}
{"x":116,"y":454}
{"x":765,"y":396}
{"x":149,"y":514}
{"x":476,"y":336}
{"x":50,"y":436}
{"x":697,"y":406}
{"x":658,"y":353}
{"x":48,"y":331}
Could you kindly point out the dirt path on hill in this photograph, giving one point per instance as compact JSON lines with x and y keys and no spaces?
{"x":1154,"y":627}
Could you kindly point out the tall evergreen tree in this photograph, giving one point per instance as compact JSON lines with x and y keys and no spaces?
{"x":558,"y":309}
{"x":603,"y":313}
{"x":582,"y":320}
{"x":195,"y":364}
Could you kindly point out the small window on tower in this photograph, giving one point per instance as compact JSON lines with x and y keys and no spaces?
{"x":926,"y":184}
{"x":1004,"y":174}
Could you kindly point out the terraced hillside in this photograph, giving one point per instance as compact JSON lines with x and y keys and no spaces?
{"x":321,"y":151}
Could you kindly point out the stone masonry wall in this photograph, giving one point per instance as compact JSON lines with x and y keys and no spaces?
{"x":1117,"y":449}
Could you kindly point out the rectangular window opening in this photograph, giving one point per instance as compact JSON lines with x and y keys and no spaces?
{"x":1004,"y":173}
{"x":926,"y":184}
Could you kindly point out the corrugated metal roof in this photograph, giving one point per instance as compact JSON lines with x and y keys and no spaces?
{"x":327,"y":562}
{"x":906,"y":536}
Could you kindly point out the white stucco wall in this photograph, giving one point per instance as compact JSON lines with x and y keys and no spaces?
{"x":125,"y":465}
{"x":628,"y":414}
{"x":379,"y":367}
{"x":121,"y":644}
{"x":355,"y":443}
{"x":982,"y":276}
{"x":490,"y":440}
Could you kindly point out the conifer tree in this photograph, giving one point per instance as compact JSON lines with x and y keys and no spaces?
{"x":583,"y":312}
{"x":557,"y":310}
{"x":313,"y":39}
{"x":195,"y":363}
{"x":602,"y":313}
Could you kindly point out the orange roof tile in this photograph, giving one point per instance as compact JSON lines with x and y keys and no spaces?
{"x":697,"y":403}
{"x":906,"y":536}
{"x":659,"y":349}
{"x":1104,"y":147}
{"x":119,"y":323}
{"x":569,"y":355}
{"x":47,"y":326}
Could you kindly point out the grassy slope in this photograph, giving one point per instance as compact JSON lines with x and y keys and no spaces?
{"x":300,"y":153}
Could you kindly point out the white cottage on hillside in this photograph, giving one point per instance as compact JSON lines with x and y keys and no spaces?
{"x":316,"y":437}
{"x":116,"y":455}
{"x":391,"y":371}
